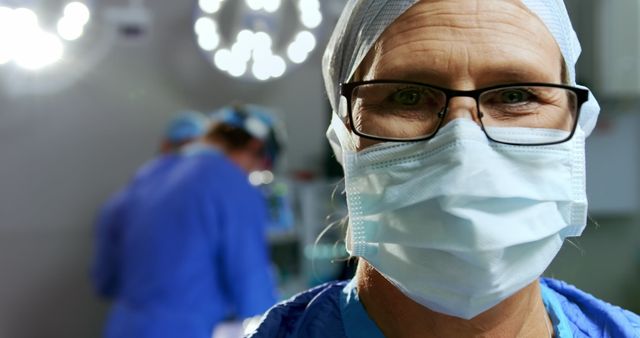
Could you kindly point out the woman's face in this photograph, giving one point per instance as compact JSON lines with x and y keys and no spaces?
{"x":464,"y":45}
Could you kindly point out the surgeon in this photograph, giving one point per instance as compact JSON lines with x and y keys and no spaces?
{"x":184,"y":246}
{"x":461,"y":132}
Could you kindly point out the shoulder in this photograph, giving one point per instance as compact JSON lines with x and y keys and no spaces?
{"x":592,"y":316}
{"x":141,"y":174}
{"x":313,"y":313}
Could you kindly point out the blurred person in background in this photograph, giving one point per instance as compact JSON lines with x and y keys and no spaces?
{"x":461,"y":131}
{"x":182,"y":247}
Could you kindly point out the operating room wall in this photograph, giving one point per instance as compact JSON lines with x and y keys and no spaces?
{"x":64,"y":152}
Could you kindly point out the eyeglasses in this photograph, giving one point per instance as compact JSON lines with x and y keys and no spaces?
{"x":518,"y":114}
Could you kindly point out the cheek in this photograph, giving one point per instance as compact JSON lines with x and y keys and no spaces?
{"x":361,"y":143}
{"x":364,"y":143}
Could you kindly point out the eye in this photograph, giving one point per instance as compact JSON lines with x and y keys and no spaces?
{"x":514,"y":96}
{"x":407,"y":97}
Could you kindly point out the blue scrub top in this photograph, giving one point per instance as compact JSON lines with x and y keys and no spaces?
{"x":334,"y":310}
{"x":182,"y":247}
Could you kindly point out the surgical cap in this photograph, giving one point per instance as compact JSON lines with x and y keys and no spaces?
{"x":253,"y":119}
{"x":363,"y":21}
{"x":186,"y":126}
{"x":257,"y":121}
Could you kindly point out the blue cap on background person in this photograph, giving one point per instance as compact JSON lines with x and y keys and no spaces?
{"x":183,"y":128}
{"x":186,"y":125}
{"x":257,"y":121}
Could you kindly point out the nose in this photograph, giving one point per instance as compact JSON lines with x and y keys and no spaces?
{"x":462,"y":107}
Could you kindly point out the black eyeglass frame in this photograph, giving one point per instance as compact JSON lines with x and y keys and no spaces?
{"x":346,"y":89}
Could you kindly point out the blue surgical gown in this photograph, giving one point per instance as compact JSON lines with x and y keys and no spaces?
{"x":334,"y":310}
{"x":181,"y":247}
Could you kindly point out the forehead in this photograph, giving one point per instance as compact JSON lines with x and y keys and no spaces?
{"x":445,"y":40}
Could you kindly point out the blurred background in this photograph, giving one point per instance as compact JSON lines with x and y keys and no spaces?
{"x":87,"y":87}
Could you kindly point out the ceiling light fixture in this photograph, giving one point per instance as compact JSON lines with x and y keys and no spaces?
{"x":251,"y":40}
{"x":25,"y":39}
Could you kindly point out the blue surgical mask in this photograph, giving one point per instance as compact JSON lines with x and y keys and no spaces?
{"x":459,"y":223}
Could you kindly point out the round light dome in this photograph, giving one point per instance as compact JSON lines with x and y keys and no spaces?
{"x":31,"y":42}
{"x":254,"y":39}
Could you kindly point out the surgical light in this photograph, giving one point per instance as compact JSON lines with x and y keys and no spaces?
{"x":208,"y":37}
{"x":38,"y":50}
{"x":209,"y":41}
{"x":205,"y":25}
{"x":210,"y":6}
{"x":310,"y":13}
{"x":254,"y":4}
{"x":237,"y":67}
{"x":255,"y":46}
{"x":271,"y":5}
{"x":222,"y":59}
{"x":301,"y":46}
{"x":77,"y":12}
{"x":69,"y":29}
{"x":26,"y":42}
